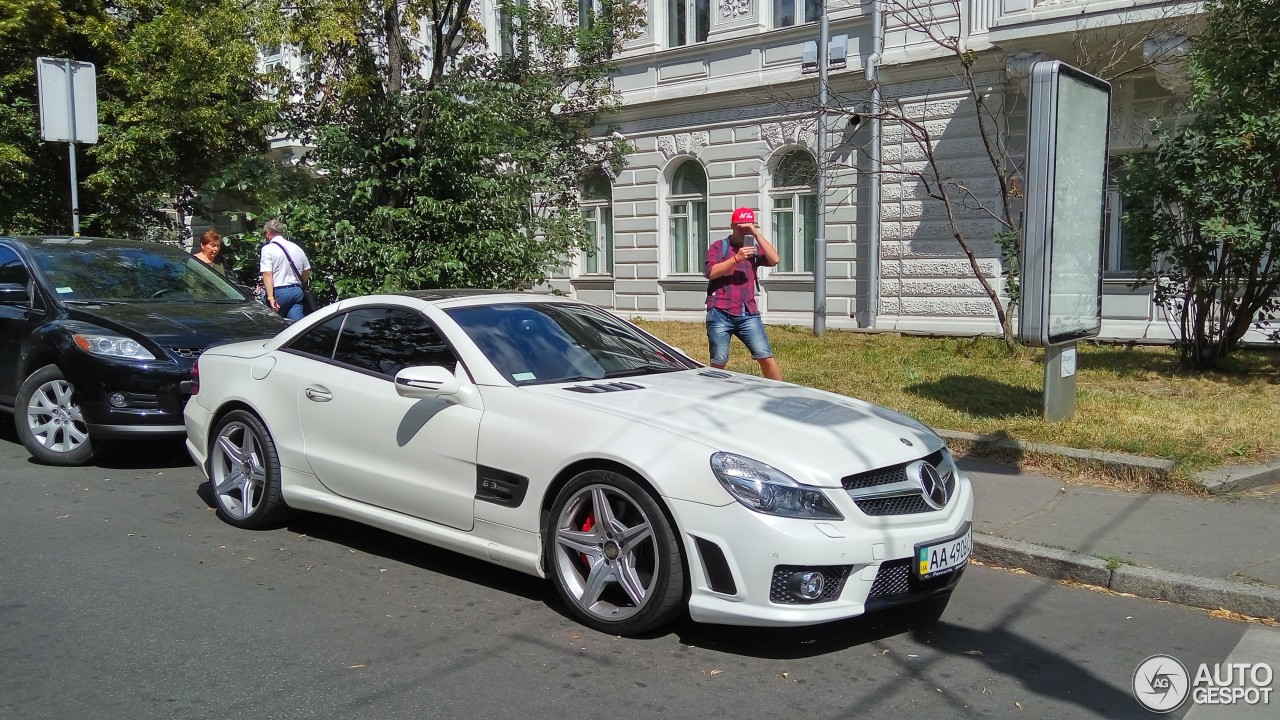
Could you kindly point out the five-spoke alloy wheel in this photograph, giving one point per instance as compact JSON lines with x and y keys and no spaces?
{"x":244,"y":471}
{"x":49,"y":421}
{"x":613,"y":555}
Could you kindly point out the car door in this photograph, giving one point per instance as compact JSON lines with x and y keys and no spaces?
{"x":16,"y":321}
{"x":363,"y":440}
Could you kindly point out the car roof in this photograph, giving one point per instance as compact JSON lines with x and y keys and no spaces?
{"x":456,"y":297}
{"x":73,"y":241}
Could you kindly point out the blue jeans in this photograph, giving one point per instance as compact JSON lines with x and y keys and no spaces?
{"x":289,"y":298}
{"x":749,"y":329}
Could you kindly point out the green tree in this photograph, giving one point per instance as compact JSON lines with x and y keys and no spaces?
{"x":179,"y":100}
{"x":446,"y":162}
{"x":1204,"y":207}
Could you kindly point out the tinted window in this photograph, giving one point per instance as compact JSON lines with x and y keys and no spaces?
{"x":11,"y":268}
{"x":561,"y":342}
{"x":387,"y":340}
{"x":320,"y":340}
{"x":87,"y":269}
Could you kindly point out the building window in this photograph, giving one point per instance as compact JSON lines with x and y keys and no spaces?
{"x":796,"y":12}
{"x":688,"y":21}
{"x":1115,"y":251}
{"x":795,"y":211}
{"x":597,"y":210}
{"x":510,"y":33}
{"x":588,"y":11}
{"x":687,"y":209}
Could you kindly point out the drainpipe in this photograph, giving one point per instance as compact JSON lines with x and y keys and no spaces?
{"x":867,"y":318}
{"x":820,"y":249}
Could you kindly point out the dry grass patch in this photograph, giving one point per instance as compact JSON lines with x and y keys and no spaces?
{"x":1130,"y":399}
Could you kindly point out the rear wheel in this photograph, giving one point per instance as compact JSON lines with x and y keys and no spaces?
{"x":244,"y":470}
{"x":613,"y":555}
{"x":49,"y":420}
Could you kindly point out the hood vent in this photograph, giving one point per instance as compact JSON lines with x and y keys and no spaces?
{"x":715,"y":374}
{"x":605,"y":387}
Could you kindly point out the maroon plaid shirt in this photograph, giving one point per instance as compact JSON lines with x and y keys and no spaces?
{"x":734,"y":293}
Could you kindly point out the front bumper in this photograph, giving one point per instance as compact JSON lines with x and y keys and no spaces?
{"x":734,"y":556}
{"x":154,"y":399}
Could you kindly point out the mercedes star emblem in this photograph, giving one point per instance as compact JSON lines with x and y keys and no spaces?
{"x":932,"y":486}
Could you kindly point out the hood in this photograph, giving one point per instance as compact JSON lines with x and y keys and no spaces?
{"x":193,"y":325}
{"x":814,"y":436}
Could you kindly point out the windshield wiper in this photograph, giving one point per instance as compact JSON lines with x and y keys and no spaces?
{"x":93,"y":302}
{"x":642,"y":370}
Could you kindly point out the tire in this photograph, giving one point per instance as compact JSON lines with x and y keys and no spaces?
{"x":623,"y":575}
{"x":49,"y":420}
{"x":244,"y":472}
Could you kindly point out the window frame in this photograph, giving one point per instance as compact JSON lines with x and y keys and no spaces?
{"x":798,"y":7}
{"x":690,"y":25}
{"x":597,"y":212}
{"x":694,"y":208}
{"x":795,"y":258}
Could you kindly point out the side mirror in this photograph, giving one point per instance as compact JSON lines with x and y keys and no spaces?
{"x":14,"y":293}
{"x":426,"y":381}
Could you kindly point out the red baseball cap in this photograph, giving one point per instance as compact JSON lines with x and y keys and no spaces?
{"x":743,"y":215}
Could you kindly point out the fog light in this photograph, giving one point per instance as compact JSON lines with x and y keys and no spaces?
{"x":118,"y":400}
{"x":807,"y":584}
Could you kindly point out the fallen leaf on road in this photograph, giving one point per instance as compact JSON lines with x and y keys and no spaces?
{"x":913,"y":656}
{"x":884,"y":651}
{"x":938,"y":689}
{"x":716,"y":672}
{"x":382,"y":569}
{"x":1015,"y":702}
{"x":63,"y":516}
{"x":353,"y":667}
{"x":986,"y":691}
{"x":129,"y":535}
{"x":977,"y":653}
{"x":575,"y":635}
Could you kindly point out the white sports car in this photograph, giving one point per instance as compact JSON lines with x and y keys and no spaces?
{"x":550,"y":436}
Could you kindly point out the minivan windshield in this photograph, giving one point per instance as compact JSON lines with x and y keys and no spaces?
{"x":89,"y":270}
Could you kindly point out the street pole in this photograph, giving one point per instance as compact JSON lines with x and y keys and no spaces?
{"x":71,"y":148}
{"x":820,"y":249}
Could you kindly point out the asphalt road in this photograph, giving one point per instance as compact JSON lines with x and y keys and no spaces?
{"x":122,"y":595}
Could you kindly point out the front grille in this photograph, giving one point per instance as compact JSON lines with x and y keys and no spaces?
{"x":905,"y":505}
{"x":832,"y":575}
{"x":895,"y":578}
{"x":189,"y":353}
{"x":901,"y":505}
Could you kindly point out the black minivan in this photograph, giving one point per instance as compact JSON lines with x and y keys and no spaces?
{"x":97,"y":336}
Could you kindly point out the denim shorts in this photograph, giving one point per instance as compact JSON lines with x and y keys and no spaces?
{"x":748,"y":328}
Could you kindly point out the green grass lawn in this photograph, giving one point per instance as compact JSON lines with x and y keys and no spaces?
{"x":1130,"y":399}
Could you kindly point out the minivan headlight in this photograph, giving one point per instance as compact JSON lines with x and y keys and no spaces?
{"x":110,"y":345}
{"x":770,"y":491}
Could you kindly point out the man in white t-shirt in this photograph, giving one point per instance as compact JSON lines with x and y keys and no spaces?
{"x":284,"y":267}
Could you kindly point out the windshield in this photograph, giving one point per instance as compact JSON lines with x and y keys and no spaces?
{"x":80,"y":269}
{"x":533,"y":343}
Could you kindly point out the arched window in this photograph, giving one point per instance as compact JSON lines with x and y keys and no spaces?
{"x":795,"y":211}
{"x":687,"y":209}
{"x":597,"y":210}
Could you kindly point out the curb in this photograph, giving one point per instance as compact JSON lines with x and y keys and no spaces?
{"x":1229,"y":478}
{"x":1179,"y":588}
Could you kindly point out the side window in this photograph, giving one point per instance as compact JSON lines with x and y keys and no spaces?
{"x":320,"y":340}
{"x":11,"y":268}
{"x":387,"y":340}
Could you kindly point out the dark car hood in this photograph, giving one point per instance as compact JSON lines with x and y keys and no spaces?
{"x":187,"y":325}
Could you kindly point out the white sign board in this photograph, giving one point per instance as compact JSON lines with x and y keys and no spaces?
{"x":68,"y":100}
{"x":1061,"y":293}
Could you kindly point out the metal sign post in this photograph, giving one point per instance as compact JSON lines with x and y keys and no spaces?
{"x":1069,"y":116}
{"x":68,"y":112}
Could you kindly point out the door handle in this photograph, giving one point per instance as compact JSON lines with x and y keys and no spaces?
{"x":318,"y":394}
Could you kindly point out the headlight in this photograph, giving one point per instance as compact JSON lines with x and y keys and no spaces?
{"x":770,"y":491}
{"x":107,"y":345}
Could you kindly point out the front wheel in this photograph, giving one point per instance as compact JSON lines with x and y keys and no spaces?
{"x":244,"y":470}
{"x":613,"y":555}
{"x":49,"y":420}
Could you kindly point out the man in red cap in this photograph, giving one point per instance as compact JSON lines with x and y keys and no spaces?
{"x":731,"y":296}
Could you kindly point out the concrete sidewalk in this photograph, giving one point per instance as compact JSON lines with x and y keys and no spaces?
{"x":1219,"y":552}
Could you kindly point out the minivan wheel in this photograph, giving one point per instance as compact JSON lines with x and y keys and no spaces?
{"x":49,"y":421}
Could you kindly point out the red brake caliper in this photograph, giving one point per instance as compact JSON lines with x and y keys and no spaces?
{"x":586,"y":527}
